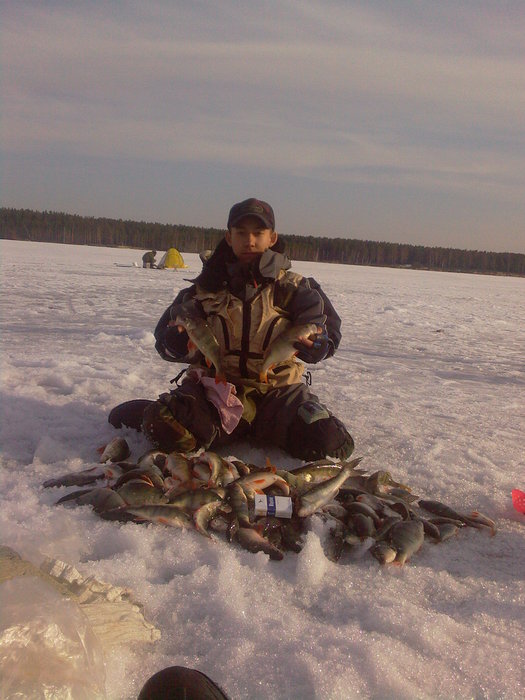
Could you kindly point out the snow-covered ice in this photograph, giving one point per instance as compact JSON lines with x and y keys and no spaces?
{"x":430,"y":380}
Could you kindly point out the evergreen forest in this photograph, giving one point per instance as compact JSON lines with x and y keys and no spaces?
{"x":58,"y":227}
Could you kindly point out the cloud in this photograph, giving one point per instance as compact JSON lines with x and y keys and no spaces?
{"x":426,"y":95}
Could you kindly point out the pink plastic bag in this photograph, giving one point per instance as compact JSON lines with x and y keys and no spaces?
{"x":518,"y":500}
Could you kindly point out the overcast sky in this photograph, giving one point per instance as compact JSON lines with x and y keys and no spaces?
{"x":383,"y":120}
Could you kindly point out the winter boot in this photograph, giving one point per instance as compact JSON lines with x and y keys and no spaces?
{"x":315,"y":433}
{"x":129,"y":413}
{"x":180,"y":683}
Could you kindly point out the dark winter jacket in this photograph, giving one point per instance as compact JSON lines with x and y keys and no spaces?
{"x":149,"y":258}
{"x":248,"y":306}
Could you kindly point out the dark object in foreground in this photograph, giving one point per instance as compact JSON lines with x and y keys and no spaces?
{"x":180,"y":683}
{"x":129,"y":413}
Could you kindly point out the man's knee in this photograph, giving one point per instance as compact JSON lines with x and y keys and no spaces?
{"x":315,"y":433}
{"x":182,"y":420}
{"x":162,"y":428}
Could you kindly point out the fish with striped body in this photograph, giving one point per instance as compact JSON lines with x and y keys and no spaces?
{"x":203,"y":338}
{"x":323,"y":493}
{"x":282,"y":348}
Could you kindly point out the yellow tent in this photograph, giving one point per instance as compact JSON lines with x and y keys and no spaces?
{"x":171,"y":259}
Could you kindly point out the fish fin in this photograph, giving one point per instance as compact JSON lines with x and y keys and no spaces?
{"x":271,"y":467}
{"x":489,"y":523}
{"x":220,"y":379}
{"x":191,"y":345}
{"x":101,"y":449}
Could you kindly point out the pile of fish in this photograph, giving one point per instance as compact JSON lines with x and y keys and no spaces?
{"x":209,"y":493}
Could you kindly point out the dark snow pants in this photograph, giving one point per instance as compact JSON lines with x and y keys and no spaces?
{"x":288,"y":417}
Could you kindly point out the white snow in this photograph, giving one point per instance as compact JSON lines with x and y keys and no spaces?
{"x":430,"y":380}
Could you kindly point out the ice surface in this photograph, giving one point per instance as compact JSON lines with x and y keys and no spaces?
{"x":430,"y":380}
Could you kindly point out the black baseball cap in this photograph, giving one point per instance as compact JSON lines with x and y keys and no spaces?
{"x":252,"y":207}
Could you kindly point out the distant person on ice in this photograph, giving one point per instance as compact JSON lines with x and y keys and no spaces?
{"x":148,"y":259}
{"x":244,"y":298}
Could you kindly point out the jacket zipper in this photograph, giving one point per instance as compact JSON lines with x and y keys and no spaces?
{"x":245,"y":338}
{"x":269,"y":333}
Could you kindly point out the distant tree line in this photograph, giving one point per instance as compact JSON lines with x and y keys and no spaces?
{"x":58,"y":227}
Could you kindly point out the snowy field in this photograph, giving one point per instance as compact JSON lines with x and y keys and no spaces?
{"x":430,"y":380}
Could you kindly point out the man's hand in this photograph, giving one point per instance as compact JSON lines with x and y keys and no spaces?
{"x":176,"y":340}
{"x":314,"y":348}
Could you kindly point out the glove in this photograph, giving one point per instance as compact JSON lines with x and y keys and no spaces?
{"x":322,"y":347}
{"x":175,"y":342}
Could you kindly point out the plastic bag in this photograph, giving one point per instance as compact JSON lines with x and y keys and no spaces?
{"x":47,"y":647}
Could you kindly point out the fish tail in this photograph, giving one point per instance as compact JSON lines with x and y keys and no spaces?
{"x":483,"y":520}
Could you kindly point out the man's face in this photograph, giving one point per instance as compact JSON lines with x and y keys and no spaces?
{"x":249,"y":238}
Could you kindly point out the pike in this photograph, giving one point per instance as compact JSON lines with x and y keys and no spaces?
{"x":323,"y":493}
{"x":204,"y":339}
{"x":283,"y":349}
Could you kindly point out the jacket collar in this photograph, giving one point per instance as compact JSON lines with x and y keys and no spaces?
{"x":223,"y":267}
